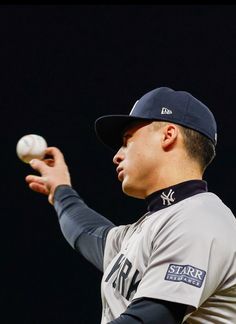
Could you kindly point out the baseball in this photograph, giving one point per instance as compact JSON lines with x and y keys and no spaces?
{"x":31,"y":146}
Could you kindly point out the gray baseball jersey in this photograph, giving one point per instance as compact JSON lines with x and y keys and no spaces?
{"x":185,"y":253}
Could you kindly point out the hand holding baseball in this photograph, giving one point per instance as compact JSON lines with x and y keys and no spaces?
{"x":54,"y":172}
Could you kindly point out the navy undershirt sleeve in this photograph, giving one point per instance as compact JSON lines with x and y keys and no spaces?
{"x":152,"y":311}
{"x":84,"y":229}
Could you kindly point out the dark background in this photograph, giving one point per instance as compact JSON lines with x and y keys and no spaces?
{"x":61,"y":67}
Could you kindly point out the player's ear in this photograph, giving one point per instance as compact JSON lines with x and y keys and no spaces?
{"x":169,"y":136}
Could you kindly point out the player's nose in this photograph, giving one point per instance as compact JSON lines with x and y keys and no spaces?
{"x":118,"y":157}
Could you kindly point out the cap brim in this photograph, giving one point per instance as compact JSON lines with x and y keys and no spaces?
{"x":109,"y":129}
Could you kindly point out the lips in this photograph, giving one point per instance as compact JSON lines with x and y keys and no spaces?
{"x":120,"y":173}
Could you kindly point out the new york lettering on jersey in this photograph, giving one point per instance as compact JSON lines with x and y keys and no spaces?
{"x":119,"y":274}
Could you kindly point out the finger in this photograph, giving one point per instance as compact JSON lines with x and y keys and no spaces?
{"x":56,"y":154}
{"x":49,"y":162}
{"x":39,"y":188}
{"x":38,"y":165}
{"x":33,"y":178}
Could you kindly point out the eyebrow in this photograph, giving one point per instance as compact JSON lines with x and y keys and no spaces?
{"x":126,"y":134}
{"x":129,"y":127}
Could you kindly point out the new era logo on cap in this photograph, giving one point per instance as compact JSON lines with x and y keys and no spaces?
{"x":165,"y":111}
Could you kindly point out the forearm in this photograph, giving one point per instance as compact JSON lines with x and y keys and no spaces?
{"x":84,"y":229}
{"x":152,"y":311}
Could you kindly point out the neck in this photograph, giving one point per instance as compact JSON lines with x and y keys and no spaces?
{"x":172,"y":174}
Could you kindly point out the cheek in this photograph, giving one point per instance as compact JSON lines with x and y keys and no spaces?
{"x":139,"y":162}
{"x":141,"y":157}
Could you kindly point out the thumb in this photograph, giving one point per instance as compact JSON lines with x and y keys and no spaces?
{"x":50,"y":198}
{"x":38,"y":165}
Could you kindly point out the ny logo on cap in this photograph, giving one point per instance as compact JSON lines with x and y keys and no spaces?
{"x":168,"y":197}
{"x":133,"y":107}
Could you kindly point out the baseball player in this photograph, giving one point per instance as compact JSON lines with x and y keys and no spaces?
{"x":177,"y":263}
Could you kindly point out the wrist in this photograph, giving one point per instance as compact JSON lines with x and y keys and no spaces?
{"x":55,"y":189}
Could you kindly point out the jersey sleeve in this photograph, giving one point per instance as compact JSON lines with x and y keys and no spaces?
{"x":180,"y":265}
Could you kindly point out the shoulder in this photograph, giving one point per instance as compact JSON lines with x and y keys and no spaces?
{"x":205,"y":203}
{"x":206,"y":207}
{"x":201,"y":215}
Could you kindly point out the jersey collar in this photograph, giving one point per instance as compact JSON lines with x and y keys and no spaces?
{"x":171,"y":195}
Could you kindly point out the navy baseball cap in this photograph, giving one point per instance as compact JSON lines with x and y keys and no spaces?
{"x":160,"y":104}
